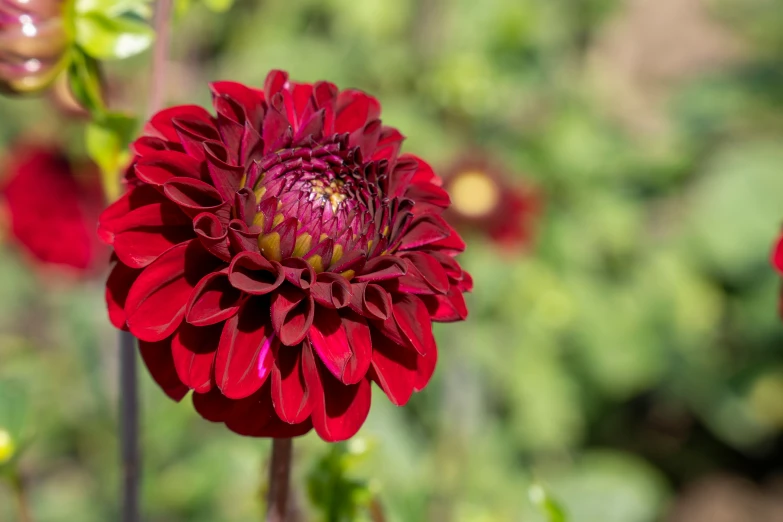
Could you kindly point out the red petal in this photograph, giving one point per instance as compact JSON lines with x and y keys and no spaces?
{"x":425,"y":369}
{"x":117,"y":287}
{"x":274,"y":83}
{"x":395,"y":369}
{"x":193,"y":351}
{"x":162,"y":125}
{"x":289,"y":390}
{"x":145,"y":233}
{"x":255,"y":417}
{"x":446,"y":308}
{"x":425,"y":229}
{"x":244,"y":357}
{"x":213,"y":405}
{"x":157,"y":300}
{"x":358,"y":334}
{"x":381,"y":269}
{"x":156,"y":168}
{"x":339,"y":410}
{"x":354,"y":110}
{"x":158,"y":359}
{"x":414,"y":321}
{"x":329,"y":340}
{"x":777,"y":256}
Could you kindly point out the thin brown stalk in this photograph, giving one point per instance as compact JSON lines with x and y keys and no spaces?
{"x":279,"y":479}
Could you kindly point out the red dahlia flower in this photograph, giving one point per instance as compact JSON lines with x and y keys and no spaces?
{"x":485,"y":201}
{"x":52,"y":214}
{"x":280,"y":256}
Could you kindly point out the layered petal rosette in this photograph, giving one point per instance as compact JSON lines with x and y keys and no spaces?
{"x":280,"y":256}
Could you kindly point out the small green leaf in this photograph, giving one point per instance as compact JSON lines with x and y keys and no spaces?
{"x":219,"y":6}
{"x":85,"y":81}
{"x":107,"y":145}
{"x":548,"y":506}
{"x":109,"y":38}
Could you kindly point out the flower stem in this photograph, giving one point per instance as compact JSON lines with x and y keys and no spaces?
{"x":129,"y":394}
{"x":22,"y":501}
{"x":129,"y":429}
{"x":279,"y":478}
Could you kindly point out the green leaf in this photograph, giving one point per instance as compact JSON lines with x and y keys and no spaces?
{"x":85,"y":80}
{"x":115,"y":8}
{"x":107,"y":38}
{"x":219,"y":6}
{"x":107,"y":145}
{"x":548,"y":506}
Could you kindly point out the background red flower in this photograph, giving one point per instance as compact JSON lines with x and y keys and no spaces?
{"x":485,"y":200}
{"x":52,"y":212}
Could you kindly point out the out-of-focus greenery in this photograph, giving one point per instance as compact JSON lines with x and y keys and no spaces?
{"x":634,"y":348}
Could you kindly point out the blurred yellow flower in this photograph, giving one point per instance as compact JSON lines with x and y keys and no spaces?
{"x":7,"y":447}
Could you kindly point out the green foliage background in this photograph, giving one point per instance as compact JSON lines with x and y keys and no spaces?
{"x":633,"y":349}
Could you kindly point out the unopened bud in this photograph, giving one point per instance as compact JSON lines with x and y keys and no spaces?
{"x":33,"y":44}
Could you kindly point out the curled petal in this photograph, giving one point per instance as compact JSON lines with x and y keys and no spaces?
{"x":331,"y":290}
{"x":213,"y":235}
{"x":292,"y":314}
{"x":241,"y":238}
{"x":225,"y":178}
{"x":254,"y":274}
{"x":192,"y":196}
{"x":298,"y":272}
{"x":371,"y":300}
{"x":213,"y":300}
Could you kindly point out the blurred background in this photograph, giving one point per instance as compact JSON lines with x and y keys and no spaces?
{"x":616,"y":168}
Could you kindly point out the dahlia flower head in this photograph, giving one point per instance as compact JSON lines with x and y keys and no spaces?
{"x":281,"y":256}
